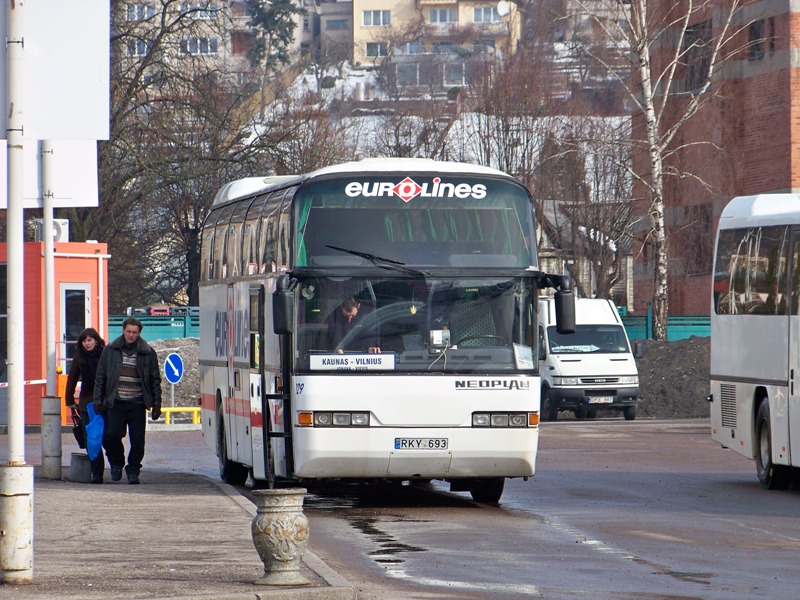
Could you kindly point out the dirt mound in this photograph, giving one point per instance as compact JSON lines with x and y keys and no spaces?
{"x":673,"y":377}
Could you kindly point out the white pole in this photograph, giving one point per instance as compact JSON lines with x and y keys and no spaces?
{"x":51,"y":404}
{"x":16,"y":478}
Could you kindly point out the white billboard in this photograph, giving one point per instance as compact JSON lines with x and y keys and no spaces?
{"x":74,"y":176}
{"x":66,"y":69}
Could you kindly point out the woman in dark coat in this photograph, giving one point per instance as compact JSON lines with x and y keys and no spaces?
{"x":84,"y":368}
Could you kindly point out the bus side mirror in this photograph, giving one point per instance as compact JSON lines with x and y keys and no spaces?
{"x":283,"y":307}
{"x":565,"y":311}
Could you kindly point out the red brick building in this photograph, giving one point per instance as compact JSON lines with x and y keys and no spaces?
{"x":751,"y":127}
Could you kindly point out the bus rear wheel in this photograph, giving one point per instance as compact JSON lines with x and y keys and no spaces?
{"x":488,"y":490}
{"x":229,"y":471}
{"x":771,"y":476}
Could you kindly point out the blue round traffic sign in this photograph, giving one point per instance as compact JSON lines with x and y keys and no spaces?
{"x":173,"y":368}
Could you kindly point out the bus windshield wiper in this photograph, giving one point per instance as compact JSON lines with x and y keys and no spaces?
{"x":379,"y":261}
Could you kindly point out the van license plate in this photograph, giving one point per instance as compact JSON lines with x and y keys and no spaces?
{"x":600,"y":400}
{"x":420,"y":443}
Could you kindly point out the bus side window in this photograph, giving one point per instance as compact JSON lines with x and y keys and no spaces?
{"x":206,"y":247}
{"x":250,"y":234}
{"x":267,"y":242}
{"x":284,"y":233}
{"x":219,"y":241}
{"x":233,"y":242}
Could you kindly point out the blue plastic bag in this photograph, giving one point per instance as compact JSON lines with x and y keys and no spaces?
{"x":94,"y":433}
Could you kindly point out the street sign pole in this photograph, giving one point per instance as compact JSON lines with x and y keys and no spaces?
{"x":16,"y":477}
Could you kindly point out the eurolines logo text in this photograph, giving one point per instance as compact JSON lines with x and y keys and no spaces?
{"x":408,"y":189}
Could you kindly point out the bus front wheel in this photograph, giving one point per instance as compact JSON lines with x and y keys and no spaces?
{"x":771,"y":476}
{"x":488,"y":490}
{"x":229,"y":471}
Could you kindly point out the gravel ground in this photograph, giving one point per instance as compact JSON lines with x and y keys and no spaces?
{"x":673,"y":377}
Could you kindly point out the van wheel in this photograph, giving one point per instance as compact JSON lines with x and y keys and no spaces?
{"x":229,"y":471}
{"x":629,"y":412}
{"x":549,"y":409}
{"x":771,"y":477}
{"x":591,"y":414}
{"x":580,"y":413}
{"x":488,"y":490}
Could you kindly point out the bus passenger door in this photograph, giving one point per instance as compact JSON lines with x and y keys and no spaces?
{"x":258,"y":419}
{"x":794,"y":355}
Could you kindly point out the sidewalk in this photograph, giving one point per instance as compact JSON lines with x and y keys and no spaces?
{"x":177,"y":535}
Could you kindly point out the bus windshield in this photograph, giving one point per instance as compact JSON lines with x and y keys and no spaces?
{"x":453,"y":220}
{"x":415,"y":324}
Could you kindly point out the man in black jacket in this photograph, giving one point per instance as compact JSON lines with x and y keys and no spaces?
{"x":128,"y":382}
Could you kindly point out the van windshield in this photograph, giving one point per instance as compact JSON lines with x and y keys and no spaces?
{"x":589,"y":338}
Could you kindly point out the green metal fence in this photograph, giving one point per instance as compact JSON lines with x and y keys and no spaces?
{"x":159,"y":328}
{"x":679,"y":327}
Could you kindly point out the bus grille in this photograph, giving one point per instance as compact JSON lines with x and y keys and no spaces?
{"x":727,"y":395}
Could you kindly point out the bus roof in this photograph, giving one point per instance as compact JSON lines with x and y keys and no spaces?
{"x":761,"y":209}
{"x":249,"y":186}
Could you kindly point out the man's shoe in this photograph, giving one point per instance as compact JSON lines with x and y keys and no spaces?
{"x":133,"y":478}
{"x":116,"y":473}
{"x":98,"y":480}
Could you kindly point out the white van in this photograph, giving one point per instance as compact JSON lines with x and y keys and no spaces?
{"x":590,"y":369}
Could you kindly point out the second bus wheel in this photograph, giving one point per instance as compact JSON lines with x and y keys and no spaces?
{"x":771,"y":476}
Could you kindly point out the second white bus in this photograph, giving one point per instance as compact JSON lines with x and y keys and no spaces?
{"x":755,"y":334}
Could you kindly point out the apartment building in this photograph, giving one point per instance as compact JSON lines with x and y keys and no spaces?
{"x":431,"y":42}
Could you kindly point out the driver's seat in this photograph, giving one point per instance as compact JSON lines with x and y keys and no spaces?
{"x":471,"y":318}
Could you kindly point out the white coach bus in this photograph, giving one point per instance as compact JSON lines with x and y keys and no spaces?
{"x":755,"y":334}
{"x":373,"y":321}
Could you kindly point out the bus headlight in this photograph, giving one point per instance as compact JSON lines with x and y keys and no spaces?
{"x":505,"y":419}
{"x":333,"y":419}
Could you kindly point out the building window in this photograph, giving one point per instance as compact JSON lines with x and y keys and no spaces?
{"x":377,"y":18}
{"x":443,"y":47}
{"x":306,"y":24}
{"x":482,"y":45}
{"x":406,"y":74}
{"x":140,"y":12}
{"x":486,"y":15}
{"x":454,"y":74}
{"x":697,"y":53}
{"x":198,"y":45}
{"x":376,"y":49}
{"x":337,"y":25}
{"x":771,"y":40}
{"x":138,"y":48}
{"x":200,"y":10}
{"x":443,"y":16}
{"x":241,"y":42}
{"x":755,"y":42}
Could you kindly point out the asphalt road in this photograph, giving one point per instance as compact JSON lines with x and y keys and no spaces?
{"x":617,"y":509}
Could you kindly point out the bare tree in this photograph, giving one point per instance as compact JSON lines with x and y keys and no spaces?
{"x":673,"y":50}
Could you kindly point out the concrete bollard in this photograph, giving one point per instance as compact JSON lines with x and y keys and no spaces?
{"x":16,"y":523}
{"x":51,"y":437}
{"x":280,"y":535}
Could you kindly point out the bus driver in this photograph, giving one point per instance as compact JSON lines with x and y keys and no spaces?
{"x":341,"y":322}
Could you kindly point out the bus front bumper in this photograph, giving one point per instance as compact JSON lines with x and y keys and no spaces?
{"x":391,"y":453}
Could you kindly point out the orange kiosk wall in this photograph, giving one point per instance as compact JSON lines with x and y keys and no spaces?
{"x":81,"y":300}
